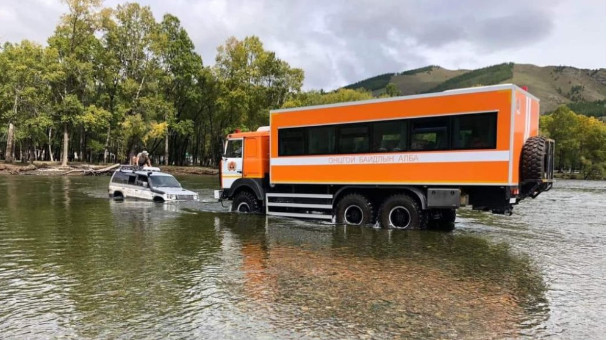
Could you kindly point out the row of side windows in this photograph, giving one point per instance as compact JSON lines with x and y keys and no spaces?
{"x":126,"y":178}
{"x":461,"y":132}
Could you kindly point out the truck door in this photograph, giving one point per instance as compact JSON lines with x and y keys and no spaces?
{"x":232,"y":162}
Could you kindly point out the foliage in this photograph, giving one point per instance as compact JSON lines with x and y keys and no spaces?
{"x":484,"y":76}
{"x":580,"y":142}
{"x":371,"y":84}
{"x":592,"y":109}
{"x":419,"y":70}
{"x":321,"y":98}
{"x":114,"y":81}
{"x":391,"y":90}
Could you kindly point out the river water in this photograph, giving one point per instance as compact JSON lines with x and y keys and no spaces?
{"x":74,"y":264}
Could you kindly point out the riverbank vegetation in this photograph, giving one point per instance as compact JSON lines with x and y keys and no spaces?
{"x":580,"y":142}
{"x":113,"y":81}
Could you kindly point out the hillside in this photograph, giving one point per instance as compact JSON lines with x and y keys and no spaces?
{"x":582,"y":89}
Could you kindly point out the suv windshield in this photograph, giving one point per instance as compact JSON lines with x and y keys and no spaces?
{"x":164,"y":181}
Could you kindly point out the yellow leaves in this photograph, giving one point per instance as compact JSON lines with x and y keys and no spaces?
{"x":135,"y":126}
{"x":317,"y":98}
{"x":95,"y":118}
{"x":156,"y":130}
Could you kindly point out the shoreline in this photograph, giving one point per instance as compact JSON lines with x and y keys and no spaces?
{"x":84,"y":169}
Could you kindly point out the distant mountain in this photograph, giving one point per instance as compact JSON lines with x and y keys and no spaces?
{"x":583,"y":90}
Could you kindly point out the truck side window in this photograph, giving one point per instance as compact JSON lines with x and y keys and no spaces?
{"x":354,"y":139}
{"x":476,"y":131}
{"x":234,"y":148}
{"x":430,"y":134}
{"x":321,"y":140}
{"x":291,"y":142}
{"x":389,"y":136}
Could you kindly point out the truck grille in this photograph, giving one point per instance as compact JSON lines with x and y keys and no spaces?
{"x":185,"y":197}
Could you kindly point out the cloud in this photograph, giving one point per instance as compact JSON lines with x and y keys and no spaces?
{"x":342,"y":41}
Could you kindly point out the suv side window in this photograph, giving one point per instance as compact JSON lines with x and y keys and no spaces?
{"x":142,"y":181}
{"x":120,"y":177}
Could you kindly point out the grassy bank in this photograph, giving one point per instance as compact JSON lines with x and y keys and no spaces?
{"x":79,"y":169}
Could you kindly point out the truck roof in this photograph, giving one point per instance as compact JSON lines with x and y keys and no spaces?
{"x":248,"y":134}
{"x":425,"y":95}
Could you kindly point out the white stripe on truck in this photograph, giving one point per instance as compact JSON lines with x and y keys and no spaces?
{"x":395,"y":158}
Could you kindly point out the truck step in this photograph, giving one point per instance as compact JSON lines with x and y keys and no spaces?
{"x":316,"y":206}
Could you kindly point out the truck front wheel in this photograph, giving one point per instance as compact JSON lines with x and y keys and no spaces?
{"x":354,"y":209}
{"x":401,"y":212}
{"x":245,"y":202}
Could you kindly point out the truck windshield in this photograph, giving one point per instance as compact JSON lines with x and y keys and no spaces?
{"x":164,"y":181}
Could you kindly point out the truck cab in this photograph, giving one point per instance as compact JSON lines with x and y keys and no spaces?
{"x":245,"y":167}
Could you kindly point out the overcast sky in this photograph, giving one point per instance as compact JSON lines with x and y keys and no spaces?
{"x":339,"y":42}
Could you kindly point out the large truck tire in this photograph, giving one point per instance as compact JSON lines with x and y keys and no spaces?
{"x":245,"y":202}
{"x":402,"y":212}
{"x":355,"y":209}
{"x":532,"y":158}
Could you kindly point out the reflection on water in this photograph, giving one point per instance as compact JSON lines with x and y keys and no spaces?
{"x":383,"y":283}
{"x":75,"y":264}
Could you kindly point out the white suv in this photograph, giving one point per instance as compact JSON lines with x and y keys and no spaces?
{"x":147,"y":183}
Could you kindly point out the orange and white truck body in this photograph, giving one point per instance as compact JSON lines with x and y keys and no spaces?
{"x":440,"y":149}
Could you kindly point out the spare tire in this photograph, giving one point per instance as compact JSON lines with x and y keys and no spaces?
{"x":532,"y":158}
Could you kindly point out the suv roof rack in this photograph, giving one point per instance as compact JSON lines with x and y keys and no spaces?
{"x":139,"y":168}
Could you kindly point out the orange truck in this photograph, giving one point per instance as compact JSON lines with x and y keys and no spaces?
{"x":404,"y":162}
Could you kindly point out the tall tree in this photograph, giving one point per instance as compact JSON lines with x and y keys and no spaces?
{"x":75,"y":42}
{"x":23,"y":94}
{"x":562,"y":126}
{"x":128,"y":36}
{"x":253,"y":81}
{"x":181,"y":65}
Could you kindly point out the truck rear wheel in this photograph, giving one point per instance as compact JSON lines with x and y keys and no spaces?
{"x":245,"y":202}
{"x":532,"y":158}
{"x":401,"y":212}
{"x":354,"y":209}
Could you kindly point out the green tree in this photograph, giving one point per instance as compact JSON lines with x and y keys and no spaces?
{"x":253,"y":81}
{"x":181,"y":65}
{"x":24,"y":95}
{"x":74,"y":40}
{"x":591,"y":136}
{"x":562,"y":127}
{"x":391,"y":90}
{"x":580,"y":141}
{"x":320,"y":98}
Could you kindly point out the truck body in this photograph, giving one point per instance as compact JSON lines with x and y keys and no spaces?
{"x":403,"y":162}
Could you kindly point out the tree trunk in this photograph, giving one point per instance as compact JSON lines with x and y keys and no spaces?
{"x":9,"y":155}
{"x":106,"y":145}
{"x":167,"y":147}
{"x":50,"y":149}
{"x":64,"y":160}
{"x":81,"y":152}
